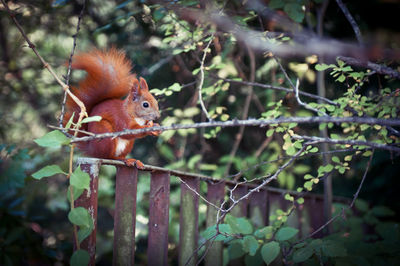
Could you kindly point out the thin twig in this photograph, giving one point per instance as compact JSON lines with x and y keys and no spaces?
{"x":296,"y":93}
{"x":352,"y":22}
{"x":67,"y":78}
{"x":201,"y":78}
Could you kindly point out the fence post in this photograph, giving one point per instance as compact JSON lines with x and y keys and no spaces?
{"x":125,"y":216}
{"x":258,"y":208}
{"x":88,"y":200}
{"x":215,"y":195}
{"x":157,"y":248}
{"x":188,"y":222}
{"x":240,"y":210}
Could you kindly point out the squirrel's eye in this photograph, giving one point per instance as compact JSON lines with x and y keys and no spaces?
{"x":145,"y":104}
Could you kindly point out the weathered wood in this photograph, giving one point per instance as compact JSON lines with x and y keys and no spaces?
{"x":88,"y":200}
{"x":157,"y":249}
{"x":258,"y":208}
{"x":240,"y":210}
{"x":189,"y":219}
{"x":215,"y":195}
{"x":125,"y":216}
{"x":315,"y":209}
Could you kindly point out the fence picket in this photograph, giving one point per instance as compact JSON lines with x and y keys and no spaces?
{"x":215,"y":195}
{"x":258,"y":208}
{"x":157,"y":248}
{"x":189,"y":219}
{"x":125,"y":216}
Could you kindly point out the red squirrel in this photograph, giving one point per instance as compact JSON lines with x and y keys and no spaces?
{"x":108,"y":80}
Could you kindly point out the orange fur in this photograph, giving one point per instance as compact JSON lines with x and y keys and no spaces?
{"x":108,"y":80}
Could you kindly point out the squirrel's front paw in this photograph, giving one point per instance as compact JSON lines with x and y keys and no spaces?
{"x":134,"y":162}
{"x":157,"y":132}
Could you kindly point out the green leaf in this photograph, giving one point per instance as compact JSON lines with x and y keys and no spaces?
{"x":382,"y":211}
{"x":291,"y":150}
{"x":239,"y":225}
{"x":361,"y":205}
{"x":175,"y":87}
{"x":95,"y":118}
{"x":335,"y":159}
{"x":332,"y":248}
{"x":276,"y":4}
{"x":321,"y":67}
{"x":250,"y":245}
{"x":367,"y":153}
{"x":79,"y":216}
{"x":80,"y":258}
{"x":289,"y":197}
{"x":294,"y":11}
{"x":302,"y":254}
{"x":265,"y":232}
{"x":71,"y":119}
{"x":48,"y":170}
{"x":341,"y":78}
{"x":300,"y":200}
{"x":80,"y":179}
{"x":286,"y":233}
{"x":270,"y":251}
{"x":212,"y":231}
{"x":54,"y":139}
{"x":235,"y":250}
{"x":84,"y":231}
{"x":76,"y":193}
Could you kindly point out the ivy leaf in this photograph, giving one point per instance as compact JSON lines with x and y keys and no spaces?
{"x":80,"y":258}
{"x":80,"y":179}
{"x":76,"y":193}
{"x":270,"y":251}
{"x":84,"y":231}
{"x":250,"y":245}
{"x":48,"y":170}
{"x":79,"y":216}
{"x":286,"y":233}
{"x":54,"y":139}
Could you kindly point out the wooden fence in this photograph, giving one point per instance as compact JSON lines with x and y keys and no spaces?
{"x":307,"y":217}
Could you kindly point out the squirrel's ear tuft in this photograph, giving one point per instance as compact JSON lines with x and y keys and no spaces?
{"x":135,"y":90}
{"x":143,"y":84}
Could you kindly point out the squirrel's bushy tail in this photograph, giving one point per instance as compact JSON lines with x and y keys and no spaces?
{"x":108,"y":77}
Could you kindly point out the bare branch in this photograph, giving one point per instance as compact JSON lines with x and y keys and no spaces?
{"x":381,"y":69}
{"x":249,"y":122}
{"x":352,"y":22}
{"x":350,"y":142}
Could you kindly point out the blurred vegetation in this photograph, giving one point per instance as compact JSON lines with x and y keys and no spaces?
{"x":166,"y":51}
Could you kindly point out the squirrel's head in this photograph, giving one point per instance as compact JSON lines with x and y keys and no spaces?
{"x":140,"y":103}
